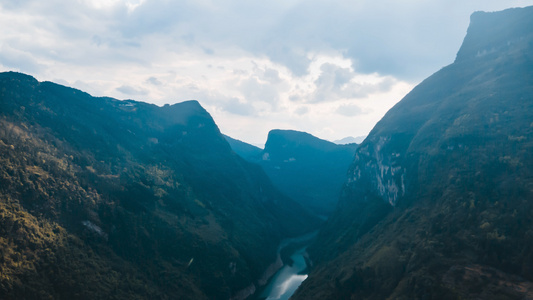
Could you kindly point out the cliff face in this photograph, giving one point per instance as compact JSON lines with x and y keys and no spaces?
{"x":439,"y":194}
{"x":101,"y":198}
{"x":308,"y":169}
{"x":495,"y":34}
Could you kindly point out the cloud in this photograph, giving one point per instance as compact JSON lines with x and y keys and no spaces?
{"x":234,"y":106}
{"x":153,"y":80}
{"x":255,"y":64}
{"x":302,"y":110}
{"x":332,"y":83}
{"x":131,"y":91}
{"x":336,"y":83}
{"x":296,"y":61}
{"x":254,"y":90}
{"x":406,"y":40}
{"x":272,"y":76}
{"x":19,"y":60}
{"x":349,"y":110}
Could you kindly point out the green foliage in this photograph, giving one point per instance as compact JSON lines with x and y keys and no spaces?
{"x":107,"y":199}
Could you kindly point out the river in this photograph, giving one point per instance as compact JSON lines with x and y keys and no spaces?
{"x":287,"y":279}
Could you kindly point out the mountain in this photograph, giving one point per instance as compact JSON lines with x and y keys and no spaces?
{"x":108,"y":199}
{"x":245,"y":150}
{"x":307,"y":169}
{"x":350,"y":140}
{"x":438,"y":203}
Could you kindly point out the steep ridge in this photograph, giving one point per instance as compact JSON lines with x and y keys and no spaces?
{"x":245,"y":150}
{"x":437,"y":204}
{"x":307,"y":169}
{"x":108,"y":199}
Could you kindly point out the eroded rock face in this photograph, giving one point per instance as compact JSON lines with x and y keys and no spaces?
{"x":442,"y":180}
{"x":383,"y":170}
{"x":496,"y":34}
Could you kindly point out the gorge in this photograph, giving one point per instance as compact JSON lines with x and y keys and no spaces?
{"x":119,"y":199}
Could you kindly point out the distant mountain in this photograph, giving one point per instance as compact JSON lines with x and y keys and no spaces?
{"x":439,"y":199}
{"x":108,"y":199}
{"x":307,"y":169}
{"x":245,"y":150}
{"x":350,"y":140}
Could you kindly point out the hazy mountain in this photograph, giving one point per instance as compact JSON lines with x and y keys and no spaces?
{"x":307,"y":169}
{"x":245,"y":150}
{"x":439,"y":199}
{"x":108,"y":199}
{"x":350,"y":140}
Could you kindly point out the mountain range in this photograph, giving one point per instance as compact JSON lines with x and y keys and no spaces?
{"x":350,"y":140}
{"x":308,"y":169}
{"x":112,"y":199}
{"x":109,"y":199}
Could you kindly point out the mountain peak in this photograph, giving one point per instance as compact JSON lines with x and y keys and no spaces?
{"x":292,"y":138}
{"x":190,"y":106}
{"x":350,"y":140}
{"x":494,"y":33}
{"x":437,"y":188}
{"x":19,"y":76}
{"x":189,"y":103}
{"x":187,"y":111}
{"x":289,"y":153}
{"x":288,"y":133}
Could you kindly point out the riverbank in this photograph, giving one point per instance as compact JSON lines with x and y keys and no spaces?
{"x":292,"y":253}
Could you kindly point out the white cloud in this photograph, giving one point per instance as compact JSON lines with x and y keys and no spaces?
{"x":235,"y":106}
{"x":19,"y":60}
{"x":131,"y":91}
{"x":336,"y":82}
{"x":153,"y":80}
{"x":349,"y":110}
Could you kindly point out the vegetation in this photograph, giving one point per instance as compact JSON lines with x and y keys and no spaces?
{"x":306,"y":168}
{"x":111,"y":199}
{"x":453,"y":158}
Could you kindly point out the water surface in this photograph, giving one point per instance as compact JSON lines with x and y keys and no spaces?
{"x":287,"y":279}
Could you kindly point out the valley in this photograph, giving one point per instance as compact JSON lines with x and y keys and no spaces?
{"x":137,"y":193}
{"x":292,"y":253}
{"x":120,"y":199}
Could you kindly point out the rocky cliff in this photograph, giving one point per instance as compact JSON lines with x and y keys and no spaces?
{"x":437,"y":204}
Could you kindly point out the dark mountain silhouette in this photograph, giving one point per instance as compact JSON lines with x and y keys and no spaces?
{"x":439,"y":199}
{"x":108,"y":199}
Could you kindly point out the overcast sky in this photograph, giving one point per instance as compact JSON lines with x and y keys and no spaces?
{"x":330,"y":68}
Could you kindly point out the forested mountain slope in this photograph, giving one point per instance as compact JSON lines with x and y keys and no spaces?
{"x":108,"y":199}
{"x":438,"y":203}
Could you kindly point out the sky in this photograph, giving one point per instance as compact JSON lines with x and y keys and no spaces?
{"x":330,"y":68}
